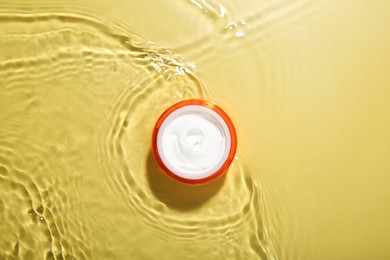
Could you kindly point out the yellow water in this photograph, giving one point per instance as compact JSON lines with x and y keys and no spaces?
{"x":307,"y":84}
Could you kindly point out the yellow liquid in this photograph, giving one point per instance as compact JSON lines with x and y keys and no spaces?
{"x":306,"y":83}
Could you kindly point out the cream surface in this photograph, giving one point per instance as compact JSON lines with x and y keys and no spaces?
{"x":193,"y":142}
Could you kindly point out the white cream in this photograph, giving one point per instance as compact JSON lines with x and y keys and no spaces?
{"x":193,"y":142}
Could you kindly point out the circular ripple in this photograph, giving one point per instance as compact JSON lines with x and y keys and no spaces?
{"x":79,"y":103}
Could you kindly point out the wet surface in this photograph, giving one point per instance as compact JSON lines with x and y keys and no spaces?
{"x":82,"y":84}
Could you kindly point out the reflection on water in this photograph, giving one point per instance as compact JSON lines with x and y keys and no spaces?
{"x":83,"y":82}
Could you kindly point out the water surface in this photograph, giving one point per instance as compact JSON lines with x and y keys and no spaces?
{"x":83,"y":82}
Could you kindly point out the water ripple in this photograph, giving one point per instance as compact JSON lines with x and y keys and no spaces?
{"x":42,"y":121}
{"x":79,"y":102}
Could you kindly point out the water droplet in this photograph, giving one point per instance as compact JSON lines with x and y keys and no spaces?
{"x":222,"y":10}
{"x":40,"y":209}
{"x":239,"y":34}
